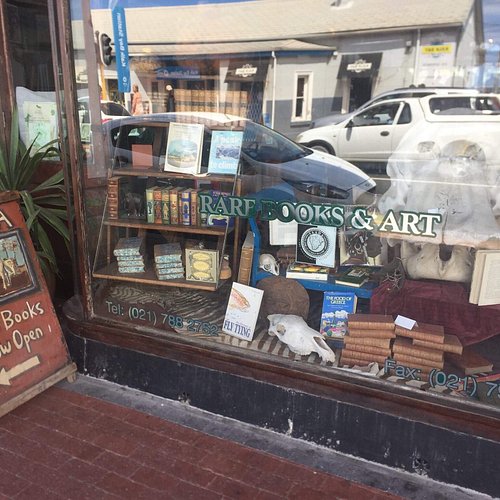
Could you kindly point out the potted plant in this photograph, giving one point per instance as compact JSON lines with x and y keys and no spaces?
{"x":43,"y":204}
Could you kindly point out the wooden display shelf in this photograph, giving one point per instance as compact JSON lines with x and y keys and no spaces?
{"x":148,"y":277}
{"x":179,"y":228}
{"x":161,"y":174}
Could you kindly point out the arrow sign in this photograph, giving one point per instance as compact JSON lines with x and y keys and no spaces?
{"x":7,"y":375}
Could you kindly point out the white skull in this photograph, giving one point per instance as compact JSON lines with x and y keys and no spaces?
{"x":269,"y":264}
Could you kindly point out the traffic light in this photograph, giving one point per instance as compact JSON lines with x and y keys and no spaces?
{"x":105,"y":49}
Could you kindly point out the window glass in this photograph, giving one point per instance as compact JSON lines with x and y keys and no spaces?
{"x":221,"y":213}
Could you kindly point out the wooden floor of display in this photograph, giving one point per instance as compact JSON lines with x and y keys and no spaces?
{"x":211,"y":307}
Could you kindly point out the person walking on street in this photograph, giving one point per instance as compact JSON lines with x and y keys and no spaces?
{"x":137,"y":107}
{"x":170,"y":99}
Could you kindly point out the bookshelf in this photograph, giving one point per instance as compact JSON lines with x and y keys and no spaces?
{"x":121,"y":225}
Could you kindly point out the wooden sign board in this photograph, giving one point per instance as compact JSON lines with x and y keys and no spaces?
{"x":33,"y":352}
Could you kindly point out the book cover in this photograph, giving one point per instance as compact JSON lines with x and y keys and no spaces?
{"x":184,"y":148}
{"x":174,"y":206}
{"x":157,"y":205}
{"x":489,"y":288}
{"x":405,"y":346}
{"x":167,"y":252}
{"x":246,"y":259}
{"x":194,"y":208}
{"x":225,"y":152}
{"x":451,"y":344}
{"x":359,"y":247}
{"x":150,"y":212}
{"x":142,"y":156}
{"x":129,"y":246}
{"x":470,"y":362}
{"x":371,"y":341}
{"x":373,"y":333}
{"x":316,"y":245}
{"x":307,"y":272}
{"x":242,"y":311}
{"x":202,"y":265}
{"x":185,"y":207}
{"x":165,"y":205}
{"x":409,"y":360}
{"x":355,"y":276}
{"x":423,"y":331}
{"x":371,"y":321}
{"x":354,"y":349}
{"x":336,"y":308}
{"x":362,"y":357}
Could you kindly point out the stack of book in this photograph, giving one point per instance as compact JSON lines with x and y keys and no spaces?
{"x":423,"y":346}
{"x":129,"y":254}
{"x":368,"y":340}
{"x":169,"y":205}
{"x":168,"y":261}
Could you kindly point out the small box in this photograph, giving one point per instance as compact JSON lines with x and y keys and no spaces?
{"x":142,"y":156}
{"x":202,"y":265}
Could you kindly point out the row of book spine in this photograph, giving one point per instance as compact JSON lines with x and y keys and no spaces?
{"x":113,"y":197}
{"x":235,"y":101}
{"x":173,"y":206}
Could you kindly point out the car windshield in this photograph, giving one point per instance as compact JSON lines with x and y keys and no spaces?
{"x":267,"y":146}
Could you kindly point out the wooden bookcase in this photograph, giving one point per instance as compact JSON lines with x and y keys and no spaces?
{"x":140,"y":227}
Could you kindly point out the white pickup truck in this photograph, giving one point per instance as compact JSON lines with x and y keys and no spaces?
{"x":371,"y":136}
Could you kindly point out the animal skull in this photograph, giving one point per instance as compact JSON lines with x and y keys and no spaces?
{"x":269,"y":264}
{"x":424,"y":262}
{"x":300,"y":339}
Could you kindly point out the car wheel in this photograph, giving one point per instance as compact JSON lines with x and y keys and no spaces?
{"x":323,"y":147}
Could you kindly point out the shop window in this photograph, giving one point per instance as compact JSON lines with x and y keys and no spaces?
{"x":302,"y":98}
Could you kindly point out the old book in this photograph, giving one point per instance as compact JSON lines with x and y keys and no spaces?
{"x":417,"y":361}
{"x":489,"y":288}
{"x":130,"y":269}
{"x":405,"y":346}
{"x":157,"y":208}
{"x":167,"y":252}
{"x":184,"y":145}
{"x":371,"y":321}
{"x":371,"y":358}
{"x":165,"y":205}
{"x":174,"y":206}
{"x":202,"y":265}
{"x":470,"y":362}
{"x":166,"y":267}
{"x":423,"y":331}
{"x":113,"y":197}
{"x":142,"y":156}
{"x":245,"y":269}
{"x":451,"y":344}
{"x":194,"y":208}
{"x":185,"y":207}
{"x":351,"y":341}
{"x":336,"y":308}
{"x":370,"y":333}
{"x":355,"y":276}
{"x":150,"y":212}
{"x":357,"y":348}
{"x":297,"y":270}
{"x":129,"y":246}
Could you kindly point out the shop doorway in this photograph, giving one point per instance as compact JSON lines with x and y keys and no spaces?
{"x":360,"y":92}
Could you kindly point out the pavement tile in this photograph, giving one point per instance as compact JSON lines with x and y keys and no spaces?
{"x":125,"y":488}
{"x":155,"y":479}
{"x":35,"y":491}
{"x":187,"y":491}
{"x":116,"y":463}
{"x":11,"y":485}
{"x":233,"y":489}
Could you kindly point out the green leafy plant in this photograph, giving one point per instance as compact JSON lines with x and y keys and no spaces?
{"x":43,"y":205}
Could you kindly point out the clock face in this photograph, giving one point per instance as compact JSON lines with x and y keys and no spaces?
{"x":314,"y":243}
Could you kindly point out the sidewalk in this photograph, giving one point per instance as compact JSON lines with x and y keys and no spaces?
{"x":66,"y":444}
